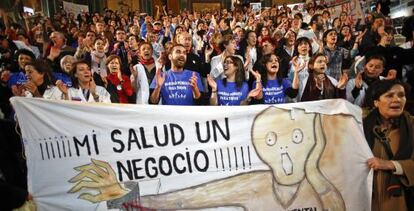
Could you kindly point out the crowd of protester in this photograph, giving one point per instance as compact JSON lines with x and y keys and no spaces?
{"x":238,"y":57}
{"x":228,"y":57}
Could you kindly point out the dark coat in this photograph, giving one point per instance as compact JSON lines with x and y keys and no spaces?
{"x":13,"y":183}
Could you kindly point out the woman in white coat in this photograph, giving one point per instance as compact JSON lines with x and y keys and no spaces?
{"x":84,"y":88}
{"x":144,"y":72}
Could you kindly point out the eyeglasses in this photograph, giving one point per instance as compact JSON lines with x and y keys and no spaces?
{"x":228,"y":62}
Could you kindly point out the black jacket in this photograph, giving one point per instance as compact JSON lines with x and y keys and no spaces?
{"x":13,"y":182}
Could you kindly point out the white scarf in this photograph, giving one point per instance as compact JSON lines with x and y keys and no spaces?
{"x":304,"y":58}
{"x":98,"y":58}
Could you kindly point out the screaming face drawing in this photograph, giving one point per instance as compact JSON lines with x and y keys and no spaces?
{"x":291,"y":144}
{"x":281,"y":143}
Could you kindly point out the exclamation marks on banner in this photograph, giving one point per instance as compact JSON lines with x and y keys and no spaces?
{"x":59,"y":147}
{"x":232,"y":158}
{"x":55,"y":148}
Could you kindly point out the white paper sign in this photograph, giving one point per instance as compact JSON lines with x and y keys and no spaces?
{"x":76,"y":9}
{"x":256,"y":7}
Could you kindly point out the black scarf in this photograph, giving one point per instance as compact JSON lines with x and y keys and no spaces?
{"x":369,"y":80}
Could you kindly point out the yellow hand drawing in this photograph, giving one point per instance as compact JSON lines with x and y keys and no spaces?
{"x":290,"y":145}
{"x":102,"y":178}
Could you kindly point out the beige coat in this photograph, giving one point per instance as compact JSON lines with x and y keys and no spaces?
{"x":382,"y":200}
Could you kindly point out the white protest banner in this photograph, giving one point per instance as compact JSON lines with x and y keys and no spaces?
{"x":352,"y":8}
{"x":76,"y":9}
{"x":304,"y":156}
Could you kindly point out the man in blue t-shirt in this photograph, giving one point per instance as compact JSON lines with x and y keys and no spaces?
{"x":177,"y":86}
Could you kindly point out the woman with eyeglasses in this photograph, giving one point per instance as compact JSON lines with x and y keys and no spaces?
{"x":233,"y":89}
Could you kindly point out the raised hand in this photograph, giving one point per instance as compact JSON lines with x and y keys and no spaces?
{"x":392,"y":74}
{"x":342,"y":81}
{"x":296,"y":66}
{"x":319,"y":42}
{"x":87,"y":42}
{"x":212,"y":83}
{"x":256,"y":75}
{"x":5,"y":75}
{"x":255,"y":92}
{"x":160,"y":78}
{"x":214,"y":21}
{"x":31,"y":87}
{"x":105,"y":80}
{"x":99,"y":176}
{"x":116,"y":45}
{"x":106,"y":44}
{"x":134,"y":72}
{"x":193,"y":81}
{"x":54,"y":52}
{"x":208,"y":51}
{"x":161,"y":60}
{"x":358,"y":80}
{"x":62,"y":87}
{"x":358,"y":39}
{"x":247,"y":57}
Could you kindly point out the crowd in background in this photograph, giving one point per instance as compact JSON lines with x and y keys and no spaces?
{"x":238,"y":57}
{"x":228,"y":57}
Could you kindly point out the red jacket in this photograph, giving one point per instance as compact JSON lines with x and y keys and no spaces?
{"x":126,"y":87}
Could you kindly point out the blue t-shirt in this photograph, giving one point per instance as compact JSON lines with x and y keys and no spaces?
{"x":17,"y":79}
{"x":273,"y":92}
{"x":230,"y":94}
{"x":65,"y":78}
{"x":176,"y":89}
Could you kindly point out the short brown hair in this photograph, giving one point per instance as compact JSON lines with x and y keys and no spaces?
{"x":175,"y":45}
{"x":75,"y":64}
{"x":112,"y":57}
{"x":225,"y":40}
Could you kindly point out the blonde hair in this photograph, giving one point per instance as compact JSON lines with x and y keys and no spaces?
{"x":67,"y":58}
